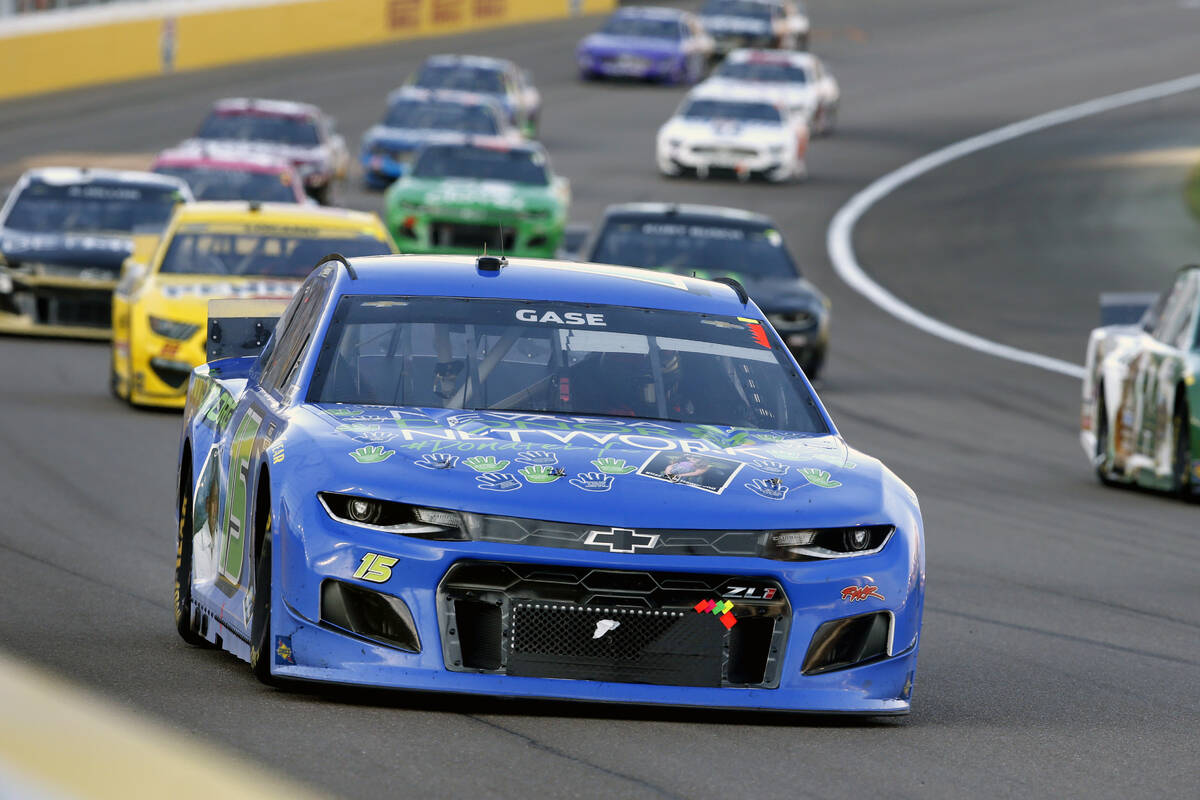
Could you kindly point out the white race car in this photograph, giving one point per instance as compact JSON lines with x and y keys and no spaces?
{"x":756,"y":23}
{"x":797,"y":80}
{"x":741,"y":134}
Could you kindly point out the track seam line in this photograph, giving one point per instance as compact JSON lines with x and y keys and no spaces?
{"x":839,"y":235}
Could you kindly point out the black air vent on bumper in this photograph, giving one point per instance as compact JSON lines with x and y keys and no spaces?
{"x":849,"y":642}
{"x":379,"y":617}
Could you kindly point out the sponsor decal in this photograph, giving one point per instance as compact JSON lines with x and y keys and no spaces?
{"x":819,"y":477}
{"x":612,"y":466}
{"x":447,"y":12}
{"x":277,"y":454}
{"x":498,"y":481}
{"x":750,"y":592}
{"x":622,"y":540}
{"x":265,"y":290}
{"x":770,"y":488}
{"x":721,"y":609}
{"x":485,"y":464}
{"x":371,"y":455}
{"x":403,"y":14}
{"x":604,"y":626}
{"x":542,"y":473}
{"x":283,"y":650}
{"x":375,"y":568}
{"x":436,"y":461}
{"x":592,"y":481}
{"x":704,"y":472}
{"x":565,"y":318}
{"x":855,"y":594}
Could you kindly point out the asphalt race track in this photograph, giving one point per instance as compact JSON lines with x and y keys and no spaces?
{"x":1061,"y":652}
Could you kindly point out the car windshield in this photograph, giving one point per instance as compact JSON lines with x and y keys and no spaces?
{"x":756,"y":113}
{"x":252,"y":126}
{"x":765,"y":71}
{"x":560,"y":358}
{"x":94,"y":207}
{"x":485,"y":80}
{"x":648,"y":27}
{"x":441,"y":116}
{"x":736,"y":8}
{"x":705,"y":248}
{"x":285,"y":252}
{"x":214,"y":183}
{"x":482,"y":163}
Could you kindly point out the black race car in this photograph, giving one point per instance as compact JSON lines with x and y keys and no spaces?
{"x":713,"y":242}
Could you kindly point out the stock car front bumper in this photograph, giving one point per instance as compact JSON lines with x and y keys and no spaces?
{"x":355,"y":606}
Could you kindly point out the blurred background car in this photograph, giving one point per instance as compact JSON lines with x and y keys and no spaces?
{"x":497,"y":77}
{"x":797,"y":80}
{"x":65,"y":233}
{"x":416,"y":117}
{"x":214,"y":251}
{"x":298,"y":132}
{"x":756,"y":23}
{"x":646,"y":42}
{"x":214,"y":172}
{"x":720,"y":132}
{"x":712,"y":242}
{"x":462,"y":196}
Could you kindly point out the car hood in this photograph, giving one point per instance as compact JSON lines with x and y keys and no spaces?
{"x":725,"y":130}
{"x":604,"y":471}
{"x":407,"y":138}
{"x":87,"y":251}
{"x":185,"y":297}
{"x":634,"y":45}
{"x":460,"y":193}
{"x":790,"y":94}
{"x":293,"y":153}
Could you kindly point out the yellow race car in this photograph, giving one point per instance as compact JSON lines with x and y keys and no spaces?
{"x":217,"y":251}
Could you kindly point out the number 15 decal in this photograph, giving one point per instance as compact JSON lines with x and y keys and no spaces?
{"x":375,"y":568}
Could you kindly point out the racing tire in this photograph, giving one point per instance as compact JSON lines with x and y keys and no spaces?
{"x":1181,"y":463}
{"x":324,"y":195}
{"x":812,"y":367}
{"x":1100,"y":456}
{"x":261,"y":650}
{"x":829,"y":121}
{"x":183,"y":569}
{"x":802,"y":42}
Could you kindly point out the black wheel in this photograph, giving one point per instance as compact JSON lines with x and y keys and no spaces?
{"x":1181,"y":474}
{"x":324,"y":195}
{"x":812,"y":367}
{"x":261,"y":641}
{"x":1100,"y":457}
{"x":183,"y":568}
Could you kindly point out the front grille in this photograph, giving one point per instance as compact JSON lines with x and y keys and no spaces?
{"x":90,"y":308}
{"x":625,"y":626}
{"x":716,"y":151}
{"x":463,"y":235}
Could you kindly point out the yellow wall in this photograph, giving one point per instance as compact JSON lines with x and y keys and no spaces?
{"x":43,"y":62}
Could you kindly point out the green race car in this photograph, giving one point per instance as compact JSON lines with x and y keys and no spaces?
{"x":463,"y":195}
{"x":1141,"y":399}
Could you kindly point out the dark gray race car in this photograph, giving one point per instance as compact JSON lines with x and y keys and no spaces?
{"x":713,"y":242}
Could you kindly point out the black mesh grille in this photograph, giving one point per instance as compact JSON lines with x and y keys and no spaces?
{"x":90,"y":308}
{"x":611,"y":625}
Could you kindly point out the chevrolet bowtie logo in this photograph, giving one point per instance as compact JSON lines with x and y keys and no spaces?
{"x":622,"y":540}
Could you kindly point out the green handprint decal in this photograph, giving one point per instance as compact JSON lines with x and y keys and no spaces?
{"x":541,"y":474}
{"x":344,"y":412}
{"x":613,"y":466}
{"x":372,"y":454}
{"x":819,"y":477}
{"x":485,"y":463}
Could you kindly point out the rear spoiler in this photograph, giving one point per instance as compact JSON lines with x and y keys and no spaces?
{"x":1125,"y":308}
{"x":240,"y":327}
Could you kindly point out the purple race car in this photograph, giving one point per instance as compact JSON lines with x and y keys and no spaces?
{"x":661,"y":44}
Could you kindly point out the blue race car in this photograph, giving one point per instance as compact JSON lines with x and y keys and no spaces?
{"x":415,"y":117}
{"x":659,"y":44}
{"x":538,"y":479}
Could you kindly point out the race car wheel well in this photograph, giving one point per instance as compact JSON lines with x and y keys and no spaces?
{"x":262,"y":510}
{"x":1182,"y":466}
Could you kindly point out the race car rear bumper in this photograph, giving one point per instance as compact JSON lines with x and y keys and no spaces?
{"x":425,"y":640}
{"x":684,"y":160}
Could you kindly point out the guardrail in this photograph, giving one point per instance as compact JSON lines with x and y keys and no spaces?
{"x":120,"y":41}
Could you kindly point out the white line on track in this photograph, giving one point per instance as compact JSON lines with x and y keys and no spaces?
{"x":839,"y":237}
